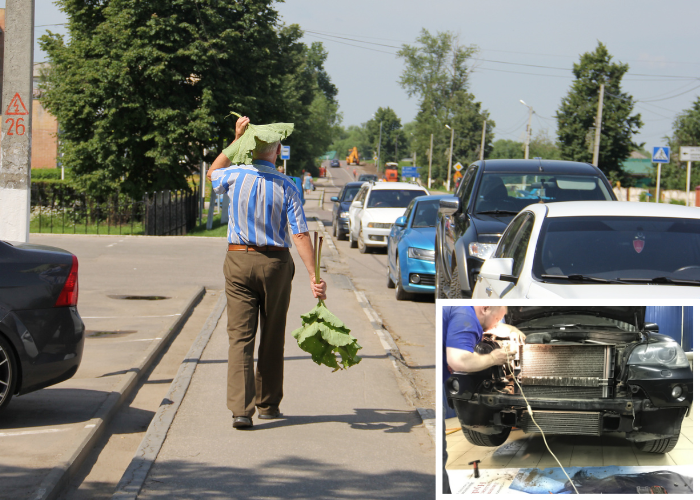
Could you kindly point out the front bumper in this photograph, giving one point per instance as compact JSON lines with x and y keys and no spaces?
{"x":343,"y":224}
{"x":375,"y":237}
{"x":424,"y":270}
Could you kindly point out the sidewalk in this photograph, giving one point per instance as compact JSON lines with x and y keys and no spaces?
{"x":349,"y":434}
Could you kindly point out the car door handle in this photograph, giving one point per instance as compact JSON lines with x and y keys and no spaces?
{"x":489,"y":291}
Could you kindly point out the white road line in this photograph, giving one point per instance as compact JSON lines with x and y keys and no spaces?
{"x":27,"y":433}
{"x":117,"y":317}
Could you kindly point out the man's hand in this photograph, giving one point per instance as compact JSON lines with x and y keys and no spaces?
{"x":318,"y":289}
{"x":241,"y":126}
{"x":222,"y":161}
{"x":499,"y":355}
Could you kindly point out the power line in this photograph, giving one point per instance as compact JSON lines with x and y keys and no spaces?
{"x":351,"y":45}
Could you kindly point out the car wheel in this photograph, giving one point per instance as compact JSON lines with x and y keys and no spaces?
{"x":399,"y":291}
{"x":455,"y":291}
{"x":389,"y":282}
{"x":658,"y":445}
{"x":351,"y":239}
{"x":479,"y":439}
{"x":335,"y":228}
{"x":361,"y":243}
{"x":8,"y":373}
{"x":440,"y":284}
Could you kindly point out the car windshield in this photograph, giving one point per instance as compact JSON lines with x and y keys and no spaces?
{"x":392,"y":198}
{"x":513,"y":192}
{"x":350,"y":193}
{"x":619,"y":248}
{"x":367,"y":177}
{"x":426,"y":213}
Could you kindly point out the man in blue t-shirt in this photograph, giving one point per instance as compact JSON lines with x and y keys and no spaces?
{"x":462,"y":329}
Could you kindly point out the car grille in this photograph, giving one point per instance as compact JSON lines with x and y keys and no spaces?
{"x":581,"y":423}
{"x":427,"y":279}
{"x":380,"y":225}
{"x":566,"y":371}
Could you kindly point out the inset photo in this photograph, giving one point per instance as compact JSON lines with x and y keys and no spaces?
{"x":566,"y":399}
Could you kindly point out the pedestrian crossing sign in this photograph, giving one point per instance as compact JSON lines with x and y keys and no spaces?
{"x":661,"y":154}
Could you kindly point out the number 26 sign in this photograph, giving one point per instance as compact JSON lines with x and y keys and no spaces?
{"x":17,"y":108}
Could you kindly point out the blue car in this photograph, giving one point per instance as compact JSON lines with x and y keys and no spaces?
{"x":341,"y":205}
{"x":410,"y":266}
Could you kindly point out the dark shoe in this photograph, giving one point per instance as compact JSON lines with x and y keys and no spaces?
{"x":270,"y":416}
{"x":242,"y":422}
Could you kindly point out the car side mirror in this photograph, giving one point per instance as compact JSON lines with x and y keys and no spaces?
{"x":356,"y":204}
{"x":449,"y":206}
{"x":401,"y":221}
{"x":334,"y":198}
{"x":498,"y":269}
{"x":651,"y":327}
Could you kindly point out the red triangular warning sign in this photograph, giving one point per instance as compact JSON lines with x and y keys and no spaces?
{"x":16,"y":106}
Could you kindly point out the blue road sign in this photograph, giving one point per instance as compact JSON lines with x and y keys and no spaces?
{"x":409,"y":171}
{"x":661,"y":154}
{"x":286,"y":152}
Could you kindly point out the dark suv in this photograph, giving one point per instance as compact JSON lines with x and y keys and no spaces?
{"x":490,"y":194}
{"x":341,"y":205}
{"x":584,"y":371}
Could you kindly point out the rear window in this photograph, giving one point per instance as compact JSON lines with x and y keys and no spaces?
{"x":392,"y":198}
{"x":619,"y":247}
{"x":513,"y":192}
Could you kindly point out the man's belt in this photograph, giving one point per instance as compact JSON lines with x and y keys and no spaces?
{"x":253,"y":248}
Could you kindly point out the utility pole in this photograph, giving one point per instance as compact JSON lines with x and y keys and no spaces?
{"x":483,"y":139}
{"x":449,"y":167}
{"x":17,"y":86}
{"x":598,"y":125}
{"x":529,"y":130}
{"x":430,"y":162}
{"x":379,"y":148}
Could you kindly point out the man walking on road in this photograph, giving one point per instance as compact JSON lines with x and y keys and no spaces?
{"x":265,"y":207}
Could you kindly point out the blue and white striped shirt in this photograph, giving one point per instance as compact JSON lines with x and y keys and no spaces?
{"x":263,"y":202}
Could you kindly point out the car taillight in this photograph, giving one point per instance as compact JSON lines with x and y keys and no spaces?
{"x":69,"y":294}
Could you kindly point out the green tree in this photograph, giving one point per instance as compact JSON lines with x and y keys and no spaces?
{"x":507,"y":149}
{"x":140,"y":89}
{"x":576,"y":115}
{"x":543,"y":146}
{"x":394,"y":142}
{"x":686,"y":132}
{"x":436,"y":70}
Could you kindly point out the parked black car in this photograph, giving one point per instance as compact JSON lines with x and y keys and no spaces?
{"x":368,"y":178}
{"x":584,"y":371}
{"x":335,"y":163}
{"x":491,"y":193}
{"x":41,"y":332}
{"x":341,"y":205}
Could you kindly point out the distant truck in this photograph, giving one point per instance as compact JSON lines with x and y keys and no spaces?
{"x":353,"y":157}
{"x":391,"y":172}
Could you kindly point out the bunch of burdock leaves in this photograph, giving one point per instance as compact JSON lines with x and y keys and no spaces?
{"x":322,"y":334}
{"x":241,"y":151}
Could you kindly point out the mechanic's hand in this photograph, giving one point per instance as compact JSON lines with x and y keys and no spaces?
{"x":318,"y":289}
{"x":241,"y":125}
{"x":499,"y":355}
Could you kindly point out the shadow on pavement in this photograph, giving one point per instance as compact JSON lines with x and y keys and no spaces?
{"x":20,"y":482}
{"x":366,"y":419}
{"x":287,"y":477}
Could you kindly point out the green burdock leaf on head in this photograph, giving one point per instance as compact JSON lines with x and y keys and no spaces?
{"x":241,"y":151}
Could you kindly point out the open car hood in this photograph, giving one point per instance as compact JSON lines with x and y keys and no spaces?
{"x":633,"y":315}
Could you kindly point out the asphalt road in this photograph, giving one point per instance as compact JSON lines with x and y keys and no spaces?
{"x":411,"y":323}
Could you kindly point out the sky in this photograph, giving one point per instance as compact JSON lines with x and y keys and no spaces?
{"x":658,"y":40}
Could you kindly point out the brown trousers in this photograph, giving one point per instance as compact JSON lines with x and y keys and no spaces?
{"x":258,"y":284}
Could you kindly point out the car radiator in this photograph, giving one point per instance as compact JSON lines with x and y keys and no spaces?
{"x":573,"y":371}
{"x":581,"y":423}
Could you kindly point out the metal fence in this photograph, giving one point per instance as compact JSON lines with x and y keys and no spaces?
{"x":62,"y":210}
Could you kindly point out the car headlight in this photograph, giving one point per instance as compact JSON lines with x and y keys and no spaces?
{"x":344,"y":215}
{"x":421,"y":253}
{"x":379,"y":225}
{"x":668,"y":354}
{"x":481,"y":250}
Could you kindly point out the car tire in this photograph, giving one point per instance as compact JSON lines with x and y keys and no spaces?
{"x":479,"y":439}
{"x":8,"y":373}
{"x":455,"y":290}
{"x":361,"y":243}
{"x":335,"y":228}
{"x":658,"y":445}
{"x":440,"y":284}
{"x":351,"y":239}
{"x":389,"y":282}
{"x":399,"y":291}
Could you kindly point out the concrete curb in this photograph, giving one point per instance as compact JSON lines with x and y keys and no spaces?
{"x":135,"y":475}
{"x":53,"y":484}
{"x":390,"y":348}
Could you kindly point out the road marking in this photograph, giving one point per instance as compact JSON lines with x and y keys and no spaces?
{"x":27,"y":433}
{"x":117,"y":317}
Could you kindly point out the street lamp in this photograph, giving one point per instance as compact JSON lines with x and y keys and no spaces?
{"x":449,"y":167}
{"x":529,"y":123}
